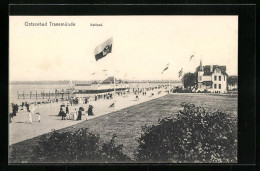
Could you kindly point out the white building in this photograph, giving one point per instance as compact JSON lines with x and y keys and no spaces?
{"x":106,"y":86}
{"x":212,"y":78}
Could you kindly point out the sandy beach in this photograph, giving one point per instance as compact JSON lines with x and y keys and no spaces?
{"x":20,"y":129}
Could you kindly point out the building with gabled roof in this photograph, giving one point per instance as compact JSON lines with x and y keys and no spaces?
{"x":212,"y":78}
{"x":110,"y":80}
{"x":104,"y":87}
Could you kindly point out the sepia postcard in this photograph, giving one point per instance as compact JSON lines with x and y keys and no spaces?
{"x":123,"y":89}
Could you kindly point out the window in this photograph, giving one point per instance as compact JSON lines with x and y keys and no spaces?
{"x":224,"y":78}
{"x":215,"y":86}
{"x":215,"y":78}
{"x":219,"y":78}
{"x":200,"y":78}
{"x":219,"y":86}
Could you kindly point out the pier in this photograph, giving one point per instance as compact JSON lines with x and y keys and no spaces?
{"x":44,"y":95}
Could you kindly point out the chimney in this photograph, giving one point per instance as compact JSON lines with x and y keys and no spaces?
{"x":211,"y":68}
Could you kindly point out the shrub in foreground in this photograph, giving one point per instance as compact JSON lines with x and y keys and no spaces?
{"x":195,"y":135}
{"x":112,"y":152}
{"x":77,"y":147}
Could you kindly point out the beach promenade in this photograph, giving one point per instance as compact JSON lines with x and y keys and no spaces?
{"x":20,"y":129}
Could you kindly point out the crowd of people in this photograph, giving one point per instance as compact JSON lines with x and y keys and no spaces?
{"x":25,"y":107}
{"x":104,"y":96}
{"x":74,"y":115}
{"x":64,"y":112}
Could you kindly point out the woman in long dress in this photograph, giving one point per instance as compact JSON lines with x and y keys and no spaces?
{"x":75,"y":115}
{"x":29,"y":116}
{"x":79,"y":114}
{"x":90,"y":110}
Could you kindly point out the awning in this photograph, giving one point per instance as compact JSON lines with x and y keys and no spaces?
{"x":207,"y":83}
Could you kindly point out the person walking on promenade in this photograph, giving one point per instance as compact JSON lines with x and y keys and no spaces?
{"x":24,"y":108}
{"x":63,"y":114}
{"x":90,"y":110}
{"x":67,"y":109}
{"x":32,"y":109}
{"x":29,"y":116}
{"x":75,"y":114}
{"x":79,"y":114}
{"x":27,"y":106}
{"x":10,"y":114}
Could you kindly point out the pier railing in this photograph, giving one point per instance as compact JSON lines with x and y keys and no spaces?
{"x":43,"y":95}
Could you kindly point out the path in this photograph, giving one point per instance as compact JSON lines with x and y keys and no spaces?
{"x":20,"y":130}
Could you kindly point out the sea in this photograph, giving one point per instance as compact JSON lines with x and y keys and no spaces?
{"x":16,"y":88}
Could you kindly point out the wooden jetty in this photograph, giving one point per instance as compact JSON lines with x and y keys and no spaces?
{"x":44,"y":95}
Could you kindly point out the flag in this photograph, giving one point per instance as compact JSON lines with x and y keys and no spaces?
{"x":191,"y":57}
{"x":180,"y":72}
{"x":93,"y":73}
{"x":104,"y":69}
{"x":167,"y":66}
{"x":103,"y":49}
{"x":112,"y":105}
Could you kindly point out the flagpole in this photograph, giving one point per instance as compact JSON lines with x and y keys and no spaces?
{"x":169,"y":87}
{"x":114,"y":85}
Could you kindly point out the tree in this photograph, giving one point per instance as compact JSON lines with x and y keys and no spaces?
{"x":232,"y":80}
{"x":189,"y":80}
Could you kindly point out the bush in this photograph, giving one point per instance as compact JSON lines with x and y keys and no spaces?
{"x":113,"y":153}
{"x":195,"y":135}
{"x":178,"y":90}
{"x":68,"y":147}
{"x":181,"y":90}
{"x":187,"y":91}
{"x":81,"y":146}
{"x":205,"y":91}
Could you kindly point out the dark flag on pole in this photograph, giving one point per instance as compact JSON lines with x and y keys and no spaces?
{"x":103,"y":49}
{"x":112,"y":105}
{"x":167,"y":66}
{"x":180,"y":72}
{"x":191,"y":57}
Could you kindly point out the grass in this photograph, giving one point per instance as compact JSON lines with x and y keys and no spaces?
{"x":127,"y":123}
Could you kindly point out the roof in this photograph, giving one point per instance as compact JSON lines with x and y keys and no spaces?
{"x":94,"y":82}
{"x":206,"y":69}
{"x":82,"y":84}
{"x":110,"y":80}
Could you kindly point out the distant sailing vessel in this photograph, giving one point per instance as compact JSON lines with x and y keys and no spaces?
{"x":106,"y":86}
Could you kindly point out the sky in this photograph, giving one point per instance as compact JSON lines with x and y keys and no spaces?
{"x":142,"y":46}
